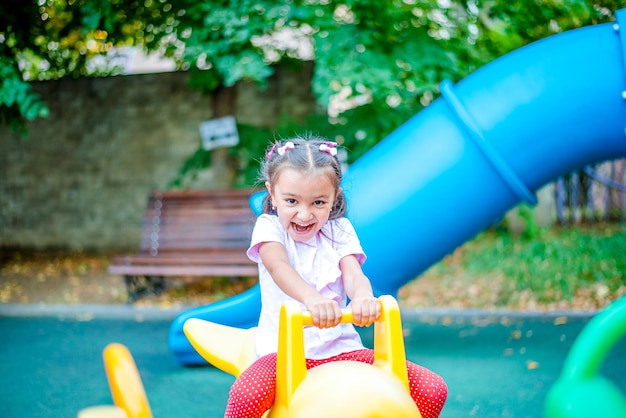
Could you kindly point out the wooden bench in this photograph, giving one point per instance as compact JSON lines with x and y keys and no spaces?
{"x":189,"y":233}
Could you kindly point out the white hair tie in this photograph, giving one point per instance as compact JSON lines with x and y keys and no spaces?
{"x":288,"y":145}
{"x":329,"y":148}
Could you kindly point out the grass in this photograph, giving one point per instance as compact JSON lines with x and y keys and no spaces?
{"x":561,"y":267}
{"x":557,"y":262}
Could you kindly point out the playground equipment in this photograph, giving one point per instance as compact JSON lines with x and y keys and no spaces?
{"x":129,"y":396}
{"x":343,"y":389}
{"x":489,"y":142}
{"x":580,"y":391}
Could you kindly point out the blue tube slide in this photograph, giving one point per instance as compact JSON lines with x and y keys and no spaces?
{"x":487,"y":144}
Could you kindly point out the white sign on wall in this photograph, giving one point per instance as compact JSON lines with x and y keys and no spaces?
{"x":220,"y":132}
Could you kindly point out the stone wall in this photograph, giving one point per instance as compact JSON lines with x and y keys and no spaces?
{"x":81,"y":178}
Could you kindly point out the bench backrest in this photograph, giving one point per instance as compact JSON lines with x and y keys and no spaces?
{"x":197,"y":220}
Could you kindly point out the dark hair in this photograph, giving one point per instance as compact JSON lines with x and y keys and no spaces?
{"x":304,"y":156}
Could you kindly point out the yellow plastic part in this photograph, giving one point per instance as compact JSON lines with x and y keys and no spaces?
{"x":228,"y":348}
{"x":102,"y":411}
{"x":342,"y":389}
{"x":124,"y":381}
{"x":349,"y":389}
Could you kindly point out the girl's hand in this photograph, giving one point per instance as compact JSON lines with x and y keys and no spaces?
{"x":366,"y":310}
{"x":325,"y":312}
{"x":365,"y":307}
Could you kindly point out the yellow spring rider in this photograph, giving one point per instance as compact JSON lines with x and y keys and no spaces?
{"x":339,"y":389}
{"x":345,"y":389}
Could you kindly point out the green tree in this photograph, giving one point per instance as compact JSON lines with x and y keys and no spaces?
{"x":51,"y":39}
{"x":17,"y":100}
{"x":384,"y":59}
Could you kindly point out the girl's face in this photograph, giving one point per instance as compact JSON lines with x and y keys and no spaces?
{"x":303,"y":201}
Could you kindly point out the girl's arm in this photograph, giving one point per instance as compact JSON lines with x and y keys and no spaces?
{"x":324,"y":312}
{"x":365,"y":307}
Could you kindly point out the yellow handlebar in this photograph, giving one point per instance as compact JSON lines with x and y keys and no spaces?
{"x":346,"y":317}
{"x":291,"y":370}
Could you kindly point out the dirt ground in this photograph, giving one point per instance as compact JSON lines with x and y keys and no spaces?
{"x":77,"y":278}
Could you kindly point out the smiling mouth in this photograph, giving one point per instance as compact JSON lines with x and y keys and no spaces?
{"x":302,"y":228}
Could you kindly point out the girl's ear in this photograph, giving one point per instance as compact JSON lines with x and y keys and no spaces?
{"x":268,"y":186}
{"x":339,"y":191}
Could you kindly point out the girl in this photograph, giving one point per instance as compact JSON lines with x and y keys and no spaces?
{"x":308,"y":251}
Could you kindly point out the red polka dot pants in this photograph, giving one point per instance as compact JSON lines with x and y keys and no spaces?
{"x":253,"y":392}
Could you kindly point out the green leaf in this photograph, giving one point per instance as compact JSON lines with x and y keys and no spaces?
{"x":204,"y":80}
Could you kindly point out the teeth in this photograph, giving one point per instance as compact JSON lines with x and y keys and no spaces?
{"x":301,"y":228}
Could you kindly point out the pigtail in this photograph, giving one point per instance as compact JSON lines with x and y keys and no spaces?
{"x":267,"y":206}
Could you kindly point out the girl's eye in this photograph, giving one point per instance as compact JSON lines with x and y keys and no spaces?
{"x":291,"y":201}
{"x":319,"y":203}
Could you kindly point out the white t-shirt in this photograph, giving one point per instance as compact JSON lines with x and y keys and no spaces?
{"x":317,"y":261}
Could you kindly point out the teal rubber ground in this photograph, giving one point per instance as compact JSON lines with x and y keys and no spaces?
{"x":495,"y":366}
